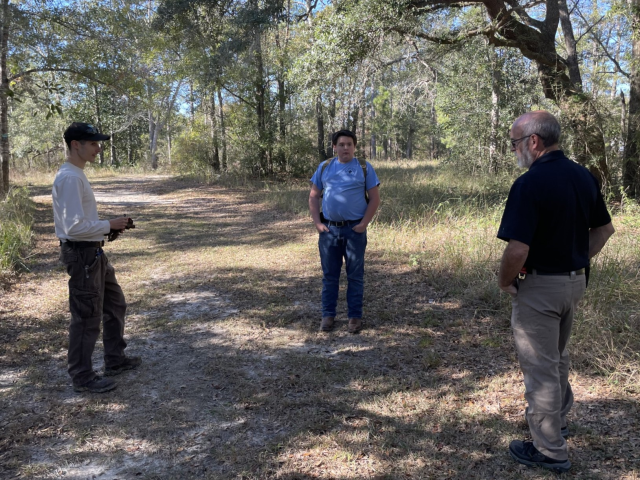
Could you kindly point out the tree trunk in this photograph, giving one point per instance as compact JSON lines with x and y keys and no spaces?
{"x":332,"y":121}
{"x":112,"y":149}
{"x":570,"y":45}
{"x":631,"y":163}
{"x":373,"y":118}
{"x":408,"y":152}
{"x":363,"y":102}
{"x":192,"y":108}
{"x":98,"y":119}
{"x":354,"y":119}
{"x":282,"y":127}
{"x":215,"y":162}
{"x":130,"y":145}
{"x":5,"y":150}
{"x":223,"y":131}
{"x":322,"y":154}
{"x":169,"y":144}
{"x":260,"y":102}
{"x":154,"y":130}
{"x":495,"y":109}
{"x":623,"y":126}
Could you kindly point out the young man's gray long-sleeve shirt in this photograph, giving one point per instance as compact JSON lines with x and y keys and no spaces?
{"x":75,"y":211}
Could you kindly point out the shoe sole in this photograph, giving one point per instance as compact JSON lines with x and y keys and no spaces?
{"x":112,"y":373}
{"x":556,"y":467}
{"x":95,"y":390}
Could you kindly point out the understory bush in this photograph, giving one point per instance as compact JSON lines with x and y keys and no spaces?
{"x":16,"y":220}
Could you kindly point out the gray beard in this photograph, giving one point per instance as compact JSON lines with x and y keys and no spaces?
{"x":525,"y":160}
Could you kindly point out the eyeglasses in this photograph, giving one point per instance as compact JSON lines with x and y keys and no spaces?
{"x":515,"y":141}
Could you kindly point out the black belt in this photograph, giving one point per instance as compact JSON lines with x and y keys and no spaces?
{"x":535,"y":271}
{"x":343,"y":223}
{"x":83,"y":244}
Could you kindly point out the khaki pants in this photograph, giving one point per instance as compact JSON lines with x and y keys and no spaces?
{"x":94,"y":298}
{"x":541,"y":320}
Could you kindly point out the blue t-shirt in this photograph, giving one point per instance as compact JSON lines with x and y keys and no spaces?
{"x":343,"y":185}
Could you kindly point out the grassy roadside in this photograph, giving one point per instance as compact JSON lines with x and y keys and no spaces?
{"x":444,"y":225}
{"x":16,"y":221}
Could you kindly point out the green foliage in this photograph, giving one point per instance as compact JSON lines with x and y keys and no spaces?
{"x":194,"y":151}
{"x":465,"y":99}
{"x":16,"y":219}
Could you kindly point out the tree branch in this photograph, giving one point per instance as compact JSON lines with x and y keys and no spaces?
{"x":596,"y":37}
{"x":522,"y":13}
{"x":25,"y":73}
{"x":252,"y":105}
{"x":590,"y":27}
{"x":606,"y":52}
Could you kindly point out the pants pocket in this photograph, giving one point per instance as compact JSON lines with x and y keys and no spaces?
{"x":89,"y":268}
{"x":68,"y":257}
{"x":84,"y":304}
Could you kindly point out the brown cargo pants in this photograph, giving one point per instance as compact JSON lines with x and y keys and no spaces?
{"x":94,"y":297}
{"x":541,"y":320}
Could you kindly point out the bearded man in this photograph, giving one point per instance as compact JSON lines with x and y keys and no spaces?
{"x":555,"y":220}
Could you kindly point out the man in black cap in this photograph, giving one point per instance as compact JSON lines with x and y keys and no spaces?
{"x":94,"y":293}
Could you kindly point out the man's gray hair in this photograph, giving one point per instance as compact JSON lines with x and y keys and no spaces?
{"x":545,"y":126}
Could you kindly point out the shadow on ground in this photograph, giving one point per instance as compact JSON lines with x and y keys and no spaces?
{"x":238,"y":383}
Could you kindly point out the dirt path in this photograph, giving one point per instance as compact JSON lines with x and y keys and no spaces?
{"x":236,"y":382}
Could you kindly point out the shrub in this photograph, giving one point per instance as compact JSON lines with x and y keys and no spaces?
{"x":16,"y":220}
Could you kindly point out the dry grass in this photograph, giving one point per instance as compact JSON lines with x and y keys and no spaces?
{"x":237,"y":382}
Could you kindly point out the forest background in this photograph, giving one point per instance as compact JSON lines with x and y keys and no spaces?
{"x":257,"y":87}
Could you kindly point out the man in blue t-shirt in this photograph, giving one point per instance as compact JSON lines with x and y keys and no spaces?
{"x":555,"y":220}
{"x":350,"y":198}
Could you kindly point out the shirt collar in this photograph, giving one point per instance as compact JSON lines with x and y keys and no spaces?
{"x":548,"y":157}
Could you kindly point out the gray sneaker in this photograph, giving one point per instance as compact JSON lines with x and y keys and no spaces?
{"x":129,"y":363}
{"x":97,"y":385}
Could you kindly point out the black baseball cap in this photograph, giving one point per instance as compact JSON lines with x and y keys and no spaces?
{"x":83,"y":131}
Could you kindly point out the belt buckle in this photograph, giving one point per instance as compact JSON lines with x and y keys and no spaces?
{"x":522,"y":274}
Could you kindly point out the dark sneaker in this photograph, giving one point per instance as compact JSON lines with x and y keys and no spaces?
{"x":527,"y":454}
{"x":129,"y":364}
{"x":327,"y":324}
{"x":355,"y":325}
{"x":564,"y":431}
{"x":97,"y":385}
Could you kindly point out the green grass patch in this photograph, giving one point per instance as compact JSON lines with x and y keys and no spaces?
{"x":16,"y":220}
{"x":444,"y":225}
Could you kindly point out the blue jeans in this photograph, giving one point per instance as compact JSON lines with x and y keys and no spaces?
{"x":334,"y":245}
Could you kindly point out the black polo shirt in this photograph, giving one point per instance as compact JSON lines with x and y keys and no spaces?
{"x":551,"y":209}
